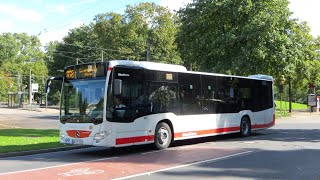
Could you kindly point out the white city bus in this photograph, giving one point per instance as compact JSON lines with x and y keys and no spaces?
{"x":160,"y":103}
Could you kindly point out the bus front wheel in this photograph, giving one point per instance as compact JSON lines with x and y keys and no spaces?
{"x":163,"y":136}
{"x":245,"y":127}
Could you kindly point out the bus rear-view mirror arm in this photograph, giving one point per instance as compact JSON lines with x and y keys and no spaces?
{"x":48,"y":83}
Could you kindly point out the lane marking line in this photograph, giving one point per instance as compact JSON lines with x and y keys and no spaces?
{"x":186,"y":165}
{"x":50,"y":167}
{"x":81,"y":171}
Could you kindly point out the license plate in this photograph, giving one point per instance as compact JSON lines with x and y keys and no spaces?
{"x":73,"y":141}
{"x":77,"y":141}
{"x":67,"y":141}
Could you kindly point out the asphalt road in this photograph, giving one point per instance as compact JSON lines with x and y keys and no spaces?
{"x":290,"y":150}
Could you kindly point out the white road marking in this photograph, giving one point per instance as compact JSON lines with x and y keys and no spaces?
{"x":81,"y":171}
{"x":50,"y":167}
{"x":186,"y":165}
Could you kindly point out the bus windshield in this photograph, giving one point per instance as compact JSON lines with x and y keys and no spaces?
{"x":82,"y":101}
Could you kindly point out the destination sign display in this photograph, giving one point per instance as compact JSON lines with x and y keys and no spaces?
{"x":85,"y":71}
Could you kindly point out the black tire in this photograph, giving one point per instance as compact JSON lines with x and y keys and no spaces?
{"x":162,"y":136}
{"x":245,"y":127}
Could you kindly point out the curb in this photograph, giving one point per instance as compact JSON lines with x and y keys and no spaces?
{"x":40,"y":151}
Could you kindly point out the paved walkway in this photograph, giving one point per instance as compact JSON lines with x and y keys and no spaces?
{"x":22,"y":118}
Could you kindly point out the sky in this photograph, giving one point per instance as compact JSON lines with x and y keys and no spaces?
{"x":51,"y":20}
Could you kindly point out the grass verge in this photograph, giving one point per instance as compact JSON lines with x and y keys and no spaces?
{"x":15,"y":140}
{"x":295,"y":106}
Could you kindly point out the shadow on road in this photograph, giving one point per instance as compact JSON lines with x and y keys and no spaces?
{"x":289,"y":164}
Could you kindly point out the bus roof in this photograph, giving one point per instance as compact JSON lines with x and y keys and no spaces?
{"x":178,"y":68}
{"x":149,"y":65}
{"x":257,"y":77}
{"x":261,"y":76}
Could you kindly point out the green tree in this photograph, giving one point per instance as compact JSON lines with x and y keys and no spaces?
{"x":78,"y":46}
{"x":303,"y":68}
{"x":128,"y":34}
{"x":18,"y":54}
{"x":238,"y":37}
{"x":116,"y":36}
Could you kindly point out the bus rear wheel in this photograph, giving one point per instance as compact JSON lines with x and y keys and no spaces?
{"x":245,"y":127}
{"x":163,"y":136}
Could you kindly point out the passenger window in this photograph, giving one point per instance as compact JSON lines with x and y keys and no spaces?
{"x":163,"y":97}
{"x":190,"y":94}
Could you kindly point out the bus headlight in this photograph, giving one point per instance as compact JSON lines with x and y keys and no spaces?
{"x":100,"y":135}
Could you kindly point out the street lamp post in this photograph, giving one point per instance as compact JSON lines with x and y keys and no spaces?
{"x":30,"y":89}
{"x":30,"y":83}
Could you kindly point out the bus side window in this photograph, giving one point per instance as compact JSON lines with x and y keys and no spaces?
{"x":163,"y":97}
{"x":209,"y":92}
{"x":190,"y":94}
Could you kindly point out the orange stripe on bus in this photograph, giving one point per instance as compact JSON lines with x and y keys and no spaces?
{"x":137,"y":139}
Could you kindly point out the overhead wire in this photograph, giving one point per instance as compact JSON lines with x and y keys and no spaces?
{"x":68,"y":52}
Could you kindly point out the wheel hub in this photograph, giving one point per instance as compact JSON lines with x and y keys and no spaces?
{"x":163,"y":135}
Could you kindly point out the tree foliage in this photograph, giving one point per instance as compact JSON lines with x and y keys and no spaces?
{"x":246,"y":37}
{"x":78,"y":46}
{"x":240,"y":37}
{"x":18,"y":54}
{"x":120,"y":36}
{"x":129,"y":33}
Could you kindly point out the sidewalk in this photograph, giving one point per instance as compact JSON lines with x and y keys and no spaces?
{"x":29,"y":119}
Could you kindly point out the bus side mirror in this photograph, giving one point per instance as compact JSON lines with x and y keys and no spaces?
{"x":47,"y":89}
{"x":117,"y":86}
{"x":48,"y":83}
